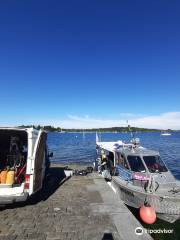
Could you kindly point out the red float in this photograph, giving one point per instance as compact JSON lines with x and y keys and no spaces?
{"x":147,"y":214}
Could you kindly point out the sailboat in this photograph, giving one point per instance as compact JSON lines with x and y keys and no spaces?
{"x":83,"y":133}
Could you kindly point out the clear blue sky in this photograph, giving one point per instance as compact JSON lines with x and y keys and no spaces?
{"x":95,"y":58}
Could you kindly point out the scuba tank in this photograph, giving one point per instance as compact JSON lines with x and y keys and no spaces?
{"x":10,"y":177}
{"x":3,"y":176}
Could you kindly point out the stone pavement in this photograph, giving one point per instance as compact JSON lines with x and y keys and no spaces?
{"x":67,"y":209}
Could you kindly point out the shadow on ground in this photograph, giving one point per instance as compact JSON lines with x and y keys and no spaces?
{"x":54,"y":179}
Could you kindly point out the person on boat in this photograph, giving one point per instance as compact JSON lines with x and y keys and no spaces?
{"x":153,"y":167}
{"x":103,"y":161}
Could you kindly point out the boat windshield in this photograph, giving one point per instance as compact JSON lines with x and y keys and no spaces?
{"x":154,"y":164}
{"x":136,"y":163}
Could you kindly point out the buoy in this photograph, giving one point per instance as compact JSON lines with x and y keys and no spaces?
{"x":147,"y":214}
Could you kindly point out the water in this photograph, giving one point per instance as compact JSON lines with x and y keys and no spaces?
{"x":72,"y":147}
{"x":80,"y":148}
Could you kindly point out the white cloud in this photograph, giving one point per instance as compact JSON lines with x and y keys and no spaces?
{"x":162,"y":121}
{"x":130,"y":115}
{"x":87,"y":122}
{"x":167,"y":120}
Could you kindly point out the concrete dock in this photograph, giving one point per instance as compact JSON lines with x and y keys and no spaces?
{"x":77,"y":208}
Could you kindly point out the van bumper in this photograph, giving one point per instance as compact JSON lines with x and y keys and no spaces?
{"x":12,"y":199}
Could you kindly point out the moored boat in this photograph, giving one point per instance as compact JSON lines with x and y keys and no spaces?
{"x":140,"y":176}
{"x":165,"y":134}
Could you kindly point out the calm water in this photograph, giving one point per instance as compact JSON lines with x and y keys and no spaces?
{"x":80,"y":148}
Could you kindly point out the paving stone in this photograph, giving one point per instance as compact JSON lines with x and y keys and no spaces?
{"x":60,"y":212}
{"x":8,"y":237}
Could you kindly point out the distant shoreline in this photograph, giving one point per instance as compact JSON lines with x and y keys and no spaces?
{"x":110,"y":130}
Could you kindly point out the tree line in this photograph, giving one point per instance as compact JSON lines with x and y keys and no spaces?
{"x":50,"y":128}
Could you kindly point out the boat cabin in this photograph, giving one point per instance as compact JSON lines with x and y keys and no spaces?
{"x":140,"y":160}
{"x":132,"y":162}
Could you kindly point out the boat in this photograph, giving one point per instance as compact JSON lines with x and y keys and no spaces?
{"x":24,"y":163}
{"x":140,"y":177}
{"x":165,"y":134}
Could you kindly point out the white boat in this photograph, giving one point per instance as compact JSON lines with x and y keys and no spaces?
{"x":140,"y":176}
{"x":24,"y":156}
{"x":165,"y":134}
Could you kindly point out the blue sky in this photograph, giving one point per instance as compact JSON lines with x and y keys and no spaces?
{"x":90,"y":63}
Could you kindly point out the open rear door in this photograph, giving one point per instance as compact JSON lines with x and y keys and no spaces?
{"x":39,"y":161}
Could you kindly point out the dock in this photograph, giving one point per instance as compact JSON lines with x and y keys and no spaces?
{"x":75,"y":208}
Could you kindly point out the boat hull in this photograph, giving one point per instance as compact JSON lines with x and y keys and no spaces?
{"x":167,"y":208}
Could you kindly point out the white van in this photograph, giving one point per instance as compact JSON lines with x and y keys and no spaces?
{"x":23,"y":151}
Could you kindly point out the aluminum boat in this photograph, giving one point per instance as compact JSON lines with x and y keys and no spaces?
{"x":140,"y":176}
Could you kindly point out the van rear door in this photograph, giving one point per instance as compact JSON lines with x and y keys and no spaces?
{"x":39,"y":161}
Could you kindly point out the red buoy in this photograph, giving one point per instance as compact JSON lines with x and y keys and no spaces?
{"x":147,"y":214}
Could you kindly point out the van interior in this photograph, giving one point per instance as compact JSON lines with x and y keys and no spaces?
{"x":13,"y":156}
